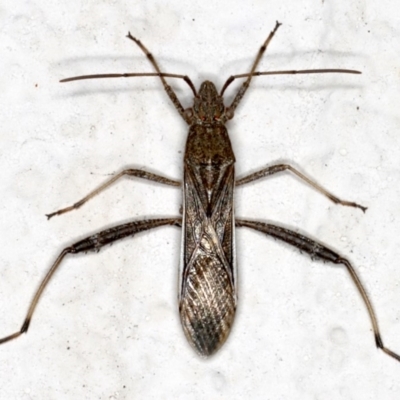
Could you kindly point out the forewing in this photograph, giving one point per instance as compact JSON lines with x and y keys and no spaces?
{"x":207,"y":293}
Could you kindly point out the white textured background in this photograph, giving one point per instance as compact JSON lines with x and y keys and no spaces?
{"x":108,"y":325}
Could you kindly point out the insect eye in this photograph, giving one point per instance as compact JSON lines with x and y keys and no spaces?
{"x":188,"y":113}
{"x":229,"y":113}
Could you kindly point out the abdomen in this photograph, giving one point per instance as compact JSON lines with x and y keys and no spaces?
{"x":207,"y":305}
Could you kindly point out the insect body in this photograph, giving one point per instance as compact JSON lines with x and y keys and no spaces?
{"x":208,"y":281}
{"x":207,"y":300}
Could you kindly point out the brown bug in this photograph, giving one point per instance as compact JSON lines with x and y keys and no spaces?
{"x":208,"y":284}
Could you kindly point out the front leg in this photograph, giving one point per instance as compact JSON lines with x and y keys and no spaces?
{"x":274,"y":169}
{"x":319,"y":251}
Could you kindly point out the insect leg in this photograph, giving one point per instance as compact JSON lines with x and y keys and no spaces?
{"x":273,"y":169}
{"x":246,"y":83}
{"x":168,"y":89}
{"x":319,"y":251}
{"x":129,"y":172}
{"x":92,"y":243}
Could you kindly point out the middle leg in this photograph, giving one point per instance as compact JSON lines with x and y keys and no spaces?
{"x":128,"y":172}
{"x":273,"y":169}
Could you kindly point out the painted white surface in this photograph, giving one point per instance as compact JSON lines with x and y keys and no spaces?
{"x":108,"y":325}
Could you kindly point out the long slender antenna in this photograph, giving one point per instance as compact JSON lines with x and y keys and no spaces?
{"x":289,"y":72}
{"x":131,"y":75}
